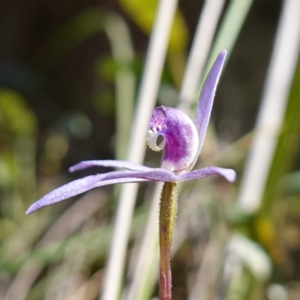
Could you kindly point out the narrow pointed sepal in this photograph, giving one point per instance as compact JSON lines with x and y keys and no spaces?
{"x":87,"y":183}
{"x":228,"y":174}
{"x":74,"y":188}
{"x":207,"y":96}
{"x":107,"y":164}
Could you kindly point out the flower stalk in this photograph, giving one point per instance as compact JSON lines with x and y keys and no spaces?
{"x":167,"y":217}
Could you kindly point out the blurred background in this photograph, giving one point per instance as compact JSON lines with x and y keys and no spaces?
{"x":73,"y":79}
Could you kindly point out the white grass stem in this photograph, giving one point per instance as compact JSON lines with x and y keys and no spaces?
{"x":228,"y":33}
{"x":137,"y":145}
{"x":272,"y":110}
{"x":204,"y":35}
{"x":125,"y":83}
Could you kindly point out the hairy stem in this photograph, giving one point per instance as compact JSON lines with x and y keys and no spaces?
{"x":167,"y":216}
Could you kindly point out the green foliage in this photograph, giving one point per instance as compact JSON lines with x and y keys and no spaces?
{"x":143,"y":14}
{"x":16,"y":118}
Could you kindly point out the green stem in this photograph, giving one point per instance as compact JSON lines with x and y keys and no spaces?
{"x":167,"y":216}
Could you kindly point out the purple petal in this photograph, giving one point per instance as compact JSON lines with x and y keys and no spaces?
{"x":87,"y":183}
{"x":207,"y":98}
{"x":180,"y":138}
{"x":107,"y":163}
{"x":76,"y":187}
{"x":228,"y":174}
{"x":153,"y":174}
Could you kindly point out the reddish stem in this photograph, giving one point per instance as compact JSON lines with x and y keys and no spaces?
{"x":167,"y":216}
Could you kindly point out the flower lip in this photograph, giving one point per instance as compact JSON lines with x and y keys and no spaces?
{"x":180,"y":138}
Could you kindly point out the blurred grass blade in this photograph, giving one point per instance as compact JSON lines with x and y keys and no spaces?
{"x":123,"y":54}
{"x":146,"y":263}
{"x":209,"y":271}
{"x":252,"y":255}
{"x":89,"y":290}
{"x":60,"y":230}
{"x":204,"y":35}
{"x":227,"y":34}
{"x":288,"y":147}
{"x":246,"y":270}
{"x":230,"y":28}
{"x":271,"y":114}
{"x":137,"y":145}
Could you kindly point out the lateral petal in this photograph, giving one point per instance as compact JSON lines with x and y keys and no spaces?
{"x":107,"y":163}
{"x":228,"y":174}
{"x":87,"y":183}
{"x":76,"y":187}
{"x":153,"y":174}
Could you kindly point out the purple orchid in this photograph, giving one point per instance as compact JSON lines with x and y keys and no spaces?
{"x":182,"y":142}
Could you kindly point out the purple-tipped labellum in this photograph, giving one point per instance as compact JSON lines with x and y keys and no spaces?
{"x":182,"y":142}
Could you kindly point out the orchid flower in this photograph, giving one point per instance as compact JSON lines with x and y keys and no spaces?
{"x":182,"y":140}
